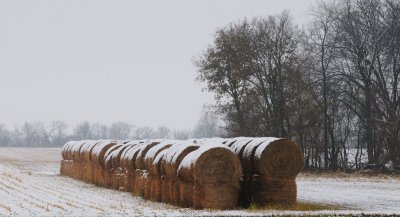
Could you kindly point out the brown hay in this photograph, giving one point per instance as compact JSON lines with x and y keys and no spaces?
{"x":154,"y":167}
{"x":214,"y":165}
{"x":268,"y":190}
{"x":140,"y":182}
{"x":116,"y":161}
{"x":170,"y":169}
{"x":139,"y":161}
{"x":213,"y":199}
{"x":124,"y":159}
{"x":281,"y":158}
{"x":147,"y":185}
{"x":107,"y":162}
{"x":216,"y":174}
{"x":99,"y":157}
{"x":86,"y":148}
{"x":165,"y":192}
{"x":198,"y":197}
{"x":133,"y":154}
{"x":129,"y":180}
{"x":174,"y":191}
{"x":186,"y":194}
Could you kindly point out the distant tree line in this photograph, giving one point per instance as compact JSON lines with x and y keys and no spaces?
{"x":331,"y":86}
{"x":57,"y":133}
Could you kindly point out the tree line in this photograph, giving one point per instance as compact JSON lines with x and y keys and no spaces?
{"x":332,"y":85}
{"x":57,"y":133}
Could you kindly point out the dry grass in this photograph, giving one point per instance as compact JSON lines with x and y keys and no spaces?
{"x":300,"y":206}
{"x":347,"y":176}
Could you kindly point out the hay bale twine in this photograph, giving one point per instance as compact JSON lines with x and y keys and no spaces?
{"x":215,"y":172}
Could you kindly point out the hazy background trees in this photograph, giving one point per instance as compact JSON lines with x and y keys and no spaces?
{"x":331,"y":86}
{"x":57,"y":133}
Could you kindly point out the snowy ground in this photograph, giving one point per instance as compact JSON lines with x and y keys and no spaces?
{"x":30,"y":185}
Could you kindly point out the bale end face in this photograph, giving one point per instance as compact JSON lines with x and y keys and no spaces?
{"x":216,"y":176}
{"x":268,"y":190}
{"x":281,"y":158}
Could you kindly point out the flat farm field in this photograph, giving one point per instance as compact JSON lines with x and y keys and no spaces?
{"x":31,"y":185}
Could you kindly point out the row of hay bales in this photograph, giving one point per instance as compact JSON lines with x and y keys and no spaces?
{"x":200,"y":173}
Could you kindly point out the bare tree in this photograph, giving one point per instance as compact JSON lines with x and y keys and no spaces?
{"x":144,"y":133}
{"x":57,"y":133}
{"x":119,"y":130}
{"x":5,"y":137}
{"x":207,"y":125}
{"x":163,"y":132}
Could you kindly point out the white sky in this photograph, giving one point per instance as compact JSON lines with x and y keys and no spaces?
{"x":107,"y":61}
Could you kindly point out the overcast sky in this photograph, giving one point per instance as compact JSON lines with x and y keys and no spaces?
{"x":107,"y":61}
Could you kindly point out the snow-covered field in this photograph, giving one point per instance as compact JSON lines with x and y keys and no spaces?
{"x":30,"y":185}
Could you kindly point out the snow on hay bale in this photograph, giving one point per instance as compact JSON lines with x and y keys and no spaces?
{"x":129,"y":162}
{"x":97,"y":152}
{"x":270,"y":167}
{"x":115,"y":172}
{"x":73,"y":164}
{"x":215,"y":172}
{"x":128,"y":177}
{"x":169,"y":165}
{"x":152,"y":166}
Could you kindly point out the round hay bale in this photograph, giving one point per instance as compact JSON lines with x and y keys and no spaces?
{"x":128,"y":178}
{"x":139,"y":161}
{"x":175,"y":198}
{"x":278,"y":158}
{"x":112,"y":164}
{"x":99,"y":150}
{"x":151,"y":162}
{"x":216,"y":166}
{"x":64,"y":150}
{"x":210,"y":162}
{"x":271,"y":190}
{"x":116,"y":156}
{"x":165,"y":193}
{"x":125,"y":155}
{"x":141,"y":183}
{"x":100,"y":176}
{"x":185,"y":194}
{"x":86,"y":148}
{"x":114,"y":150}
{"x":134,"y":155}
{"x":173,"y":158}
